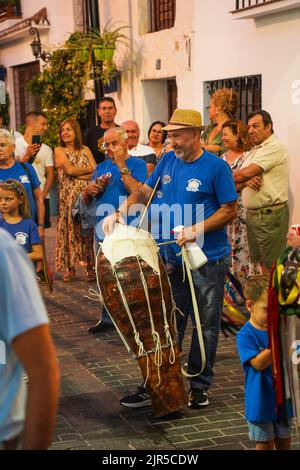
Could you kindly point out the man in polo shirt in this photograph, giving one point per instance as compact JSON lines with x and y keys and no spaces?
{"x":125,"y":175}
{"x":202,"y":187}
{"x":267,"y":209}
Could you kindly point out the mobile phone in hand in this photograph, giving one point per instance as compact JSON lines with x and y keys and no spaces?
{"x":36,"y":139}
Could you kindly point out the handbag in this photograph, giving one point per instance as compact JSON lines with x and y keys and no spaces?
{"x":84,"y":214}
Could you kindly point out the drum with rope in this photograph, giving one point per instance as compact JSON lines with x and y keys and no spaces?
{"x":137,"y":294}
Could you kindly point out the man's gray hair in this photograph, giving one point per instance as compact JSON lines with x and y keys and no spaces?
{"x":120,"y":131}
{"x":10,"y":138}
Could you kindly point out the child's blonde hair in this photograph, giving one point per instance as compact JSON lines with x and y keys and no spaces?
{"x":18,"y":189}
{"x":255,"y":287}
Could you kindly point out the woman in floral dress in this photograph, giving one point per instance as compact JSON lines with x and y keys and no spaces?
{"x":236,"y":140}
{"x":75,"y":164}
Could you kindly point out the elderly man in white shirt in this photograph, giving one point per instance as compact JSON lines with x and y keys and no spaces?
{"x":267,"y":208}
{"x":139,"y":150}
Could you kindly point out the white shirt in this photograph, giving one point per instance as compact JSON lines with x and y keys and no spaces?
{"x":43,"y":159}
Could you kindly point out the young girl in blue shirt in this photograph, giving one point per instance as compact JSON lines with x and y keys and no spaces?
{"x":15,"y":218}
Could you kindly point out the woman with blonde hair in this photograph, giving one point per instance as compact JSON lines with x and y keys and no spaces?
{"x":15,"y":218}
{"x":75,"y":164}
{"x":222,"y":108}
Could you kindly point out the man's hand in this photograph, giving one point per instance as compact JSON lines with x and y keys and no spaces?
{"x":31,"y":151}
{"x":254,"y":183}
{"x":187,"y":235}
{"x":110,"y":221}
{"x":293,"y":240}
{"x":94,"y":189}
{"x":119,"y":156}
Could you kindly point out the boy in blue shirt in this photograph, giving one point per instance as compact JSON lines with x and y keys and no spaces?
{"x":255,"y":356}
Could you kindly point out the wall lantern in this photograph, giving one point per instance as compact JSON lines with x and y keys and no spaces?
{"x":36,"y":46}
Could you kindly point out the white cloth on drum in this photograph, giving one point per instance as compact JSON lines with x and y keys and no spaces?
{"x":126,"y":241}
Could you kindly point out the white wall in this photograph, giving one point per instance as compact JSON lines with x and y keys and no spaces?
{"x":270,"y":46}
{"x":168,"y":45}
{"x":60,"y":15}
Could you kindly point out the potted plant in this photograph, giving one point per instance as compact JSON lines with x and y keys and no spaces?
{"x":104,"y":42}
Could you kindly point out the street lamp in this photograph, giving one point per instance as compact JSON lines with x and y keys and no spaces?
{"x":36,"y":46}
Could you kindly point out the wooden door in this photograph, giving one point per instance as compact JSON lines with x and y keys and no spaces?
{"x":24,"y":101}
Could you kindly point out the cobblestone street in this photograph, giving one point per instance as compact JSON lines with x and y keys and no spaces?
{"x":97,"y":372}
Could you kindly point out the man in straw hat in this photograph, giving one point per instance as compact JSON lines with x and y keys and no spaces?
{"x":202,"y":186}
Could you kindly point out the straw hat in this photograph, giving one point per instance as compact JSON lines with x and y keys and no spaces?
{"x":184,"y":119}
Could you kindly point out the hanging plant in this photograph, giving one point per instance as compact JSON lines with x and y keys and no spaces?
{"x":60,"y":86}
{"x":61,"y":83}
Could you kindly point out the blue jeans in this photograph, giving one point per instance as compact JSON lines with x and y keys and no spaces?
{"x":209,"y":288}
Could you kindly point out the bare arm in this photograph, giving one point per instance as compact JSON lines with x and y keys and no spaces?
{"x":31,"y":151}
{"x":35,"y":350}
{"x":39,"y":201}
{"x":49,"y":173}
{"x":262,"y":360}
{"x":217,"y":221}
{"x":141,"y":196}
{"x":254,"y":183}
{"x":150,"y":168}
{"x":61,"y":161}
{"x":211,"y":147}
{"x":245,"y":174}
{"x":90,"y":157}
{"x":36,"y":253}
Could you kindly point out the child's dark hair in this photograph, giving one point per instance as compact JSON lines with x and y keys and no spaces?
{"x":18,"y":189}
{"x":255,"y":287}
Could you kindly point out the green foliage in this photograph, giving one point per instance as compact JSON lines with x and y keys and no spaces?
{"x":4,"y":113}
{"x":60,"y":86}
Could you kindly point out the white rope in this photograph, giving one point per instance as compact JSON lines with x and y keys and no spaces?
{"x":154,"y":333}
{"x":196,"y":314}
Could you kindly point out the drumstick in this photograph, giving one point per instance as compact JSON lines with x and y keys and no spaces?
{"x":166,"y":243}
{"x":148,"y":203}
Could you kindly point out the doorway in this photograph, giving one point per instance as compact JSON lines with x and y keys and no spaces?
{"x":24,"y":100}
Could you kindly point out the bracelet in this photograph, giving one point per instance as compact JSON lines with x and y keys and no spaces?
{"x":41,"y":225}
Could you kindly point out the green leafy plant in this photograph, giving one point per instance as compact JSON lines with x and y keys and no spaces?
{"x":62,"y":82}
{"x":60,"y":88}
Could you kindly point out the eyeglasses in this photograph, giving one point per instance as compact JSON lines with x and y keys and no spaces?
{"x":112,"y":144}
{"x":157,"y":132}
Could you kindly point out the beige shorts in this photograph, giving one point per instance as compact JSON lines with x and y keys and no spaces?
{"x":267,"y":230}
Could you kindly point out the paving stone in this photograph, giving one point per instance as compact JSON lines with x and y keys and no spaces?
{"x":97,"y":371}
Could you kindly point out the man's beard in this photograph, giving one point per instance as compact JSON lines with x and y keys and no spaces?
{"x":179,"y":153}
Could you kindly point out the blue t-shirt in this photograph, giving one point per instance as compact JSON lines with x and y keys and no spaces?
{"x":260,"y":401}
{"x":24,"y":232}
{"x":18,"y":173}
{"x":190,"y":192}
{"x":115,"y":192}
{"x":21,"y":309}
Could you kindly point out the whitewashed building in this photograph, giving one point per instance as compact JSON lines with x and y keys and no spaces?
{"x":181,"y":50}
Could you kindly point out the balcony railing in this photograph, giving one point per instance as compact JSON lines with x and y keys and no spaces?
{"x":9,"y":10}
{"x":245,"y":4}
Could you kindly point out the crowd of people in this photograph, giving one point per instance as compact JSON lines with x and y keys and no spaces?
{"x":237,"y":171}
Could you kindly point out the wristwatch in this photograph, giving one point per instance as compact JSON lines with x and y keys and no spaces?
{"x":41,"y":225}
{"x":125,"y":171}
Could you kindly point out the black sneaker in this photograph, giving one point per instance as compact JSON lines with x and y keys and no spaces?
{"x":136,"y":400}
{"x":197,"y":398}
{"x":100,"y":327}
